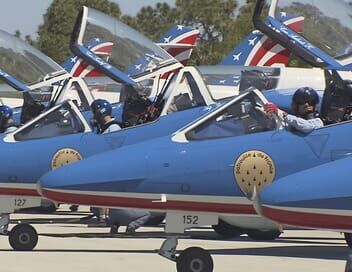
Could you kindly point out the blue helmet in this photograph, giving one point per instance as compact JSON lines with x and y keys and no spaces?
{"x":305,"y":95}
{"x":5,"y":112}
{"x":101,"y":108}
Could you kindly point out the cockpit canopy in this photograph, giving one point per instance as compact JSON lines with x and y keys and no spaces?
{"x":327,"y":25}
{"x":24,"y":62}
{"x":131,"y":53}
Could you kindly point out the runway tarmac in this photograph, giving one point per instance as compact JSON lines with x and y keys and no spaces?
{"x":66,"y":246}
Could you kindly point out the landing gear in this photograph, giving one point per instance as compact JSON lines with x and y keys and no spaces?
{"x":192,"y":259}
{"x":23,"y":237}
{"x":226,"y":230}
{"x":263,"y":235}
{"x":348,"y":239}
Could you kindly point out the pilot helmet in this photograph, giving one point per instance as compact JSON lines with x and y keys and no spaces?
{"x":5,"y":112}
{"x":305,"y":95}
{"x":101,"y":108}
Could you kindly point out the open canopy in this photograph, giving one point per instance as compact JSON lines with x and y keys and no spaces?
{"x":25,"y":63}
{"x":327,"y":33}
{"x":328,"y":23}
{"x":132,"y":54}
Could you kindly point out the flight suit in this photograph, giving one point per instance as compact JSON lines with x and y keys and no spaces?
{"x":301,"y":124}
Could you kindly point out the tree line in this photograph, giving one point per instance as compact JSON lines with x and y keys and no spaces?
{"x":222,"y":24}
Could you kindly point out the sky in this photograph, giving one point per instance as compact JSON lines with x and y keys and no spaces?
{"x":27,"y":18}
{"x":30,"y":15}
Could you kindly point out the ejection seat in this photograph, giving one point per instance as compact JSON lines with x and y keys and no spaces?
{"x":337,"y":100}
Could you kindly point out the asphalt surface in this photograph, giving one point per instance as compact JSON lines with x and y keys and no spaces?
{"x":66,"y":243}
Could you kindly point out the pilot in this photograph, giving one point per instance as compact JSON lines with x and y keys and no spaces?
{"x":7,"y":124}
{"x":305,"y":116}
{"x":102,"y":117}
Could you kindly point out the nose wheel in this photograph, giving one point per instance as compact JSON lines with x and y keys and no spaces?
{"x":23,"y":237}
{"x":192,"y":259}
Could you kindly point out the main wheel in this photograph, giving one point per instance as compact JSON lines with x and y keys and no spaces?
{"x":23,"y":237}
{"x":194,"y":259}
{"x":226,"y":230}
{"x":348,"y":239}
{"x":263,"y":235}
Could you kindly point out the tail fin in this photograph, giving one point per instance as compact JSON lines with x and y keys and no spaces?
{"x":179,"y":42}
{"x":258,"y":50}
{"x":79,"y":68}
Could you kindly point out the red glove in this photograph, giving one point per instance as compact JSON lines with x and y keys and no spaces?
{"x":271,"y":108}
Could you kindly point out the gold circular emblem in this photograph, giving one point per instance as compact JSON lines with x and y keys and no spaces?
{"x":254,"y":169}
{"x":65,"y":156}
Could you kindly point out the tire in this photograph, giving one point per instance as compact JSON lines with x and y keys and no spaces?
{"x":194,"y":259}
{"x":263,"y":235}
{"x":226,"y":230}
{"x":23,"y":237}
{"x":348,"y":239}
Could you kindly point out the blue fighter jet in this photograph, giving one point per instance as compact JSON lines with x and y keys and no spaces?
{"x":206,"y":170}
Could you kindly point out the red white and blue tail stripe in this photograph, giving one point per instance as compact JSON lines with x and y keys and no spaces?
{"x":259,"y":50}
{"x":79,"y":68}
{"x":179,"y":42}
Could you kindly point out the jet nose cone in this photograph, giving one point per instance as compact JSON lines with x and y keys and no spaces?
{"x":53,"y":182}
{"x":279,"y":200}
{"x":312,"y":198}
{"x":87,"y":182}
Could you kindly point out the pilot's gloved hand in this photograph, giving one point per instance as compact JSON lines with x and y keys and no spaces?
{"x":271,"y":108}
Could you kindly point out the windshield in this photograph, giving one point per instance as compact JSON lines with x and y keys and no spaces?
{"x":61,"y":121}
{"x":327,"y":25}
{"x":245,"y":116}
{"x":22,"y":61}
{"x":227,"y":81}
{"x":131,"y":52}
{"x":185,"y":95}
